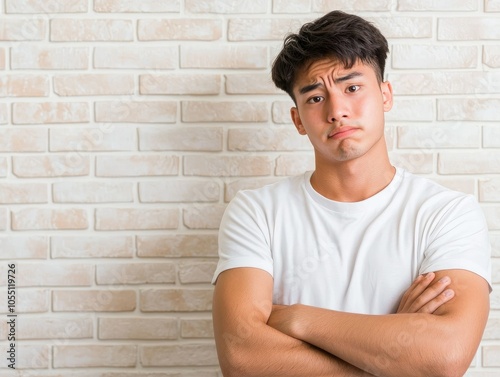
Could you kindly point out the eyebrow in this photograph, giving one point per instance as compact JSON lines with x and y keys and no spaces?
{"x":311,"y":87}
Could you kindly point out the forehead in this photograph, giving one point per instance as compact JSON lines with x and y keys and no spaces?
{"x":317,"y":70}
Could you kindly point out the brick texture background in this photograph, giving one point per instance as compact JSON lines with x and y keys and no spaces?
{"x":127,"y":125}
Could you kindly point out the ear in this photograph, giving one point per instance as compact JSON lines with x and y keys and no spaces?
{"x":386,"y":88}
{"x":294,"y":112}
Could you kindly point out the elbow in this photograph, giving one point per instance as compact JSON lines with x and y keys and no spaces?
{"x":233,"y":363}
{"x":454,"y":363}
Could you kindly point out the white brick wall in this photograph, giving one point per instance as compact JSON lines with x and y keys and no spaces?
{"x":127,"y":125}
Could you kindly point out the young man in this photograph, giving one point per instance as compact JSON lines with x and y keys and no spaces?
{"x":357,"y":268}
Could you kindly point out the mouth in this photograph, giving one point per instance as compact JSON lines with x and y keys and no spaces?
{"x":342,"y":132}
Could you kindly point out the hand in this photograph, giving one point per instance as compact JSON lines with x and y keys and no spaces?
{"x":426,"y":295}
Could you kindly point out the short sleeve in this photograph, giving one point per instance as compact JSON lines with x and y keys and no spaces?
{"x":244,"y":237}
{"x":459,"y":240}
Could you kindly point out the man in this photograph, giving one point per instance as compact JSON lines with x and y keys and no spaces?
{"x":357,"y":268}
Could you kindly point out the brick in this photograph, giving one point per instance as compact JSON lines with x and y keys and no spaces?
{"x":136,"y":219}
{"x":138,"y":328}
{"x":109,"y":138}
{"x":227,"y":166}
{"x":495,"y":245}
{"x":416,"y":56}
{"x":420,"y":162}
{"x":53,"y":274}
{"x":404,"y":27}
{"x":50,"y":112}
{"x":258,"y":83}
{"x":493,"y":325}
{"x":445,"y":83}
{"x":3,"y":219}
{"x":128,"y":57}
{"x":93,"y":300}
{"x":92,"y":247}
{"x":491,"y":56}
{"x":489,"y":190}
{"x":195,"y":29}
{"x":288,"y":165}
{"x":465,"y":185}
{"x":136,"y":111}
{"x":23,"y":140}
{"x":177,"y":246}
{"x":179,"y":190}
{"x":136,"y":166}
{"x":439,"y":5}
{"x":267,"y":139}
{"x":203,"y":217}
{"x":197,"y":328}
{"x":49,"y":219}
{"x":17,"y":193}
{"x":34,"y":57}
{"x":135,"y":273}
{"x":93,"y":85}
{"x":175,"y":300}
{"x":281,"y":112}
{"x":262,"y":29}
{"x":492,"y":5}
{"x":93,"y":192}
{"x":144,"y":6}
{"x":468,"y":162}
{"x":4,"y":165}
{"x":45,"y":7}
{"x":224,"y":111}
{"x":30,"y":29}
{"x":24,"y":247}
{"x":196,"y":272}
{"x":224,"y":57}
{"x":432,"y":137}
{"x":50,"y":166}
{"x":492,"y":330}
{"x":346,"y":5}
{"x":178,"y":355}
{"x":28,"y":301}
{"x":291,"y":6}
{"x":4,"y":118}
{"x":32,"y":356}
{"x":492,"y":214}
{"x":2,"y":58}
{"x":181,"y":139}
{"x":491,"y":356}
{"x":94,"y":356}
{"x":225,"y":6}
{"x":55,"y":328}
{"x":468,"y":28}
{"x":491,"y":137}
{"x":24,"y":86}
{"x":85,"y":30}
{"x":460,"y":109}
{"x":232,"y":187}
{"x":180,"y":84}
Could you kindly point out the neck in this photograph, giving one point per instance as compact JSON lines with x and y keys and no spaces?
{"x":354,"y":180}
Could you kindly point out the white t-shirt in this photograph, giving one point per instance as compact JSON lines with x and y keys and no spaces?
{"x":356,"y":257}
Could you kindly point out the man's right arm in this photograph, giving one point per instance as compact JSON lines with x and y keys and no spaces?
{"x":247,"y":346}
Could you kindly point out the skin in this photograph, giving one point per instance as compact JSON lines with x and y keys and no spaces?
{"x":441,"y":316}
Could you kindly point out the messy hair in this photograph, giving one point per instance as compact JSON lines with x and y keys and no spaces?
{"x":339,"y":36}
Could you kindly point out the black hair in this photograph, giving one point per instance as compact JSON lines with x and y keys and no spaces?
{"x":337,"y":35}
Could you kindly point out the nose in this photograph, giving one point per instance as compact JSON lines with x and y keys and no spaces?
{"x":337,"y":108}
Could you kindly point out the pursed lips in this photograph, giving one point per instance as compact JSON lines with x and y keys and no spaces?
{"x":341,"y":132}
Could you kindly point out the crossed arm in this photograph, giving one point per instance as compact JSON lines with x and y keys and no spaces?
{"x":433,"y":333}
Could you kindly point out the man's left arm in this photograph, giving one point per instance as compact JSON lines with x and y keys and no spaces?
{"x":404,"y":344}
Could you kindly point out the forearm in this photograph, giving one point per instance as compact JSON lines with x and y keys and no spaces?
{"x":391,"y":345}
{"x":264,"y":351}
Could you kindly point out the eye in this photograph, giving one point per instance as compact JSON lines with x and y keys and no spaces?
{"x":315,"y":99}
{"x":353,"y":88}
